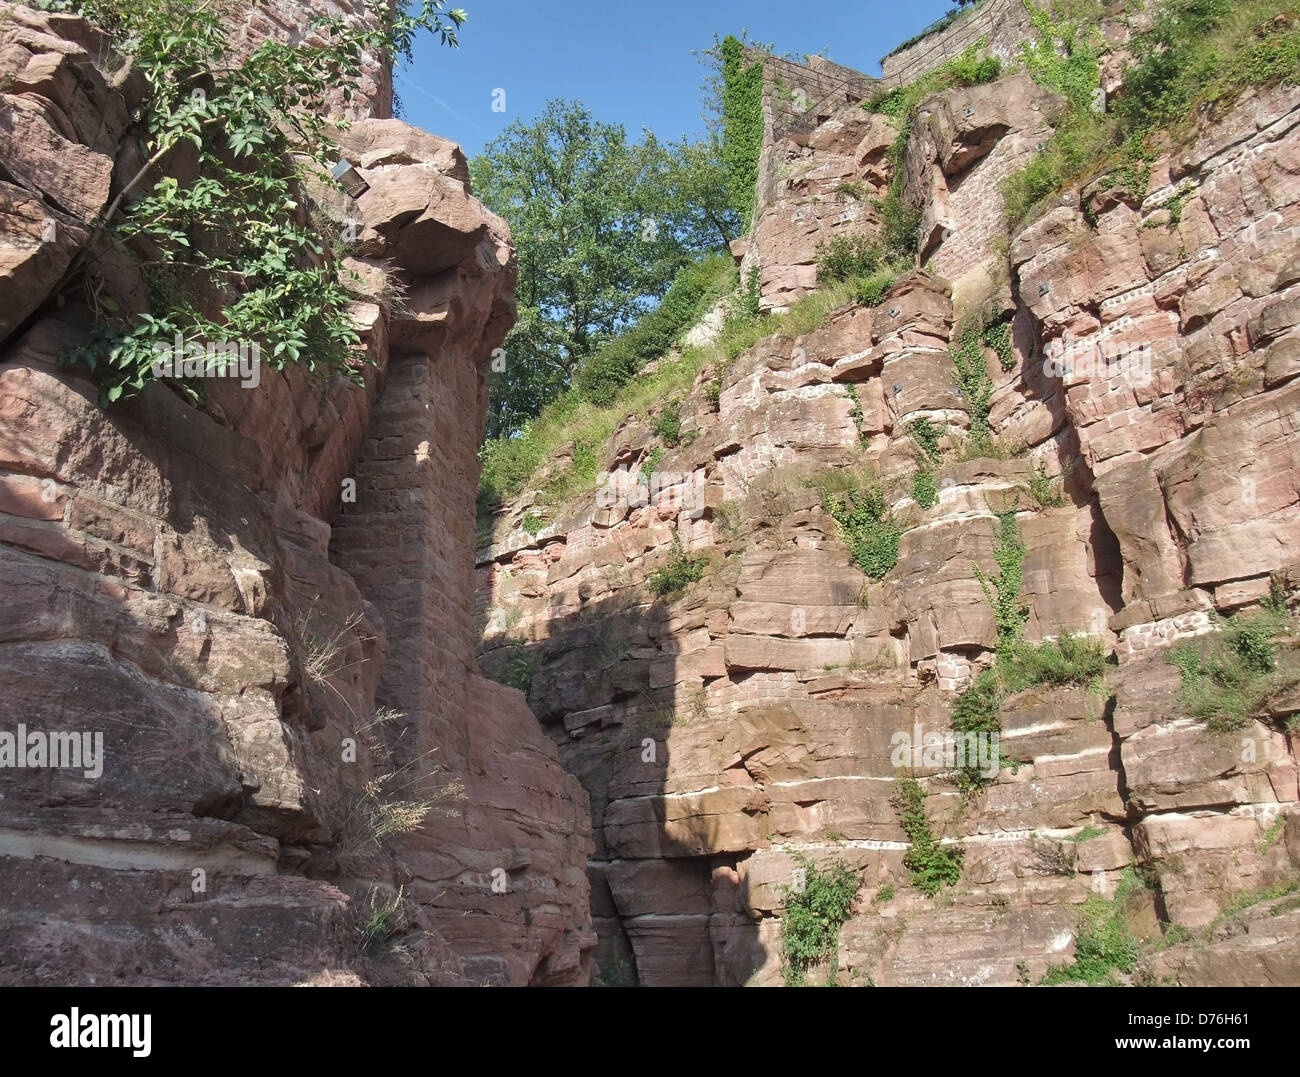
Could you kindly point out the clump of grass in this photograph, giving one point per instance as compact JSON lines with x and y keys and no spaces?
{"x":1104,"y":944}
{"x":1228,"y":680}
{"x":1046,"y":490}
{"x":843,"y":257}
{"x":532,"y":523}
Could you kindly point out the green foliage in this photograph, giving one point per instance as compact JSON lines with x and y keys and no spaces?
{"x":847,"y":256}
{"x":932,"y":865}
{"x":972,"y":373}
{"x":855,"y":412}
{"x":651,"y":464}
{"x":228,"y":248}
{"x":603,"y":227}
{"x":998,"y":337}
{"x":1045,"y":490}
{"x":853,"y":190}
{"x":667,"y":425}
{"x":1104,"y":943}
{"x":533,"y":524}
{"x":695,"y":288}
{"x":1228,"y":680}
{"x":516,"y":667}
{"x":510,"y":463}
{"x":1063,"y":57}
{"x":1086,"y":834}
{"x":677,"y":574}
{"x":901,"y":221}
{"x":867,"y":528}
{"x":742,"y":121}
{"x":870,"y":291}
{"x":924,"y":492}
{"x":1197,"y":54}
{"x":926,"y":436}
{"x":1003,"y":589}
{"x":884,"y":894}
{"x":1017,"y":665}
{"x":811,"y":918}
{"x":745,"y":308}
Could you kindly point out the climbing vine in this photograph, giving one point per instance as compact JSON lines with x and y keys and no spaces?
{"x":742,"y":126}
{"x":226,"y":243}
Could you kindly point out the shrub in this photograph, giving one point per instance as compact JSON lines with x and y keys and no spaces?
{"x":1045,"y":490}
{"x":870,"y":291}
{"x":926,"y":436}
{"x":847,"y":256}
{"x":695,"y":288}
{"x":533,"y":523}
{"x":932,"y":866}
{"x":1104,"y":943}
{"x":867,"y":527}
{"x":678,"y":574}
{"x":811,"y":918}
{"x":667,"y":425}
{"x":1228,"y":680}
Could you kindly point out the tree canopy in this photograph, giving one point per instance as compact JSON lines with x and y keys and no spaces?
{"x":602,"y":226}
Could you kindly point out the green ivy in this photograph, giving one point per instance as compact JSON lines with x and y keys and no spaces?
{"x":924,"y":492}
{"x":867,"y":527}
{"x":972,"y":374}
{"x":742,"y":126}
{"x":932,"y":865}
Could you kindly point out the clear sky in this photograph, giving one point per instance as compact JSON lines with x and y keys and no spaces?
{"x":629,"y":61}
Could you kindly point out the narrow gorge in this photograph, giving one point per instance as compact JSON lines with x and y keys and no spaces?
{"x":960,"y":455}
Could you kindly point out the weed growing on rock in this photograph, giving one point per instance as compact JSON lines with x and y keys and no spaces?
{"x":924,"y":492}
{"x":811,"y":918}
{"x":1104,"y":943}
{"x":932,"y":865}
{"x":678,"y":574}
{"x":843,"y":257}
{"x":1228,"y":680}
{"x":867,"y":528}
{"x":1046,"y":490}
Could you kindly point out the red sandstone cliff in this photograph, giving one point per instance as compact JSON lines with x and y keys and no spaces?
{"x":191,"y":584}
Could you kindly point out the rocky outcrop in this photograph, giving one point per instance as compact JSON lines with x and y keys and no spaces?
{"x":263,"y":606}
{"x":752,"y":718}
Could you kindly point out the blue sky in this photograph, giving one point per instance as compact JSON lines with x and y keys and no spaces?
{"x":629,"y":61}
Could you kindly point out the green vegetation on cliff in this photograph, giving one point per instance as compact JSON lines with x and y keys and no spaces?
{"x":812,"y":911}
{"x":932,"y":865}
{"x":1196,"y":58}
{"x":1228,"y":678}
{"x":223,"y":242}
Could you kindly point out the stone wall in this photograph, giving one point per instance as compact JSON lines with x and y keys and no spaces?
{"x":1004,"y":24}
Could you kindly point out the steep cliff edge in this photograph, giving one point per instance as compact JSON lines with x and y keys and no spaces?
{"x":264,"y":605}
{"x":730,"y":682}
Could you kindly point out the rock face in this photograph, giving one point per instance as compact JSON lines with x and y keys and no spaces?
{"x":264,"y":609}
{"x":723,"y":731}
